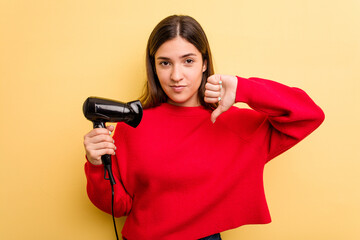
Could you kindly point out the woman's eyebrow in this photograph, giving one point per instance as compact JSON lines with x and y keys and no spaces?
{"x":163,"y":58}
{"x":183,"y":56}
{"x":188,"y":55}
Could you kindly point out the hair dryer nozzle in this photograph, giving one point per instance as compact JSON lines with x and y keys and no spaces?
{"x":106,"y":110}
{"x":137,"y":110}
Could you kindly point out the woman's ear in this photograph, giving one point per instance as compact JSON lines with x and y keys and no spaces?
{"x":204,"y":65}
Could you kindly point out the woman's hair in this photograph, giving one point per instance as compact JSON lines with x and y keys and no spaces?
{"x":169,"y":28}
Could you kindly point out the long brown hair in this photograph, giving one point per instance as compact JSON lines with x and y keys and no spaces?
{"x":169,"y":28}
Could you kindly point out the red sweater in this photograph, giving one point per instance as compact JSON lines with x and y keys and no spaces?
{"x":187,"y":178}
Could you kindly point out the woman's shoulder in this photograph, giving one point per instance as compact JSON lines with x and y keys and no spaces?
{"x":150,"y":114}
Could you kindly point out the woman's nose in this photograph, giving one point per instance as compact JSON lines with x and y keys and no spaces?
{"x":176,"y":73}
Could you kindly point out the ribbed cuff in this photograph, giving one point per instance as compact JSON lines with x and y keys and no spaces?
{"x":243,"y":90}
{"x":90,"y":166}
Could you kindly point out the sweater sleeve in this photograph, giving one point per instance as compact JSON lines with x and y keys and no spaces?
{"x":100,"y":193}
{"x":290,"y":113}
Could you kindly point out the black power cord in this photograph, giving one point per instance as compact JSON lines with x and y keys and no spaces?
{"x":112,"y":182}
{"x":112,"y":209}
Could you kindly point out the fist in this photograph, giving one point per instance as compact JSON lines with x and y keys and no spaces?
{"x":221,"y":89}
{"x":98,"y":142}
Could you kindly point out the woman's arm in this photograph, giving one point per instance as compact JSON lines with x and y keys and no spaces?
{"x":98,"y":142}
{"x":290,"y":112}
{"x":99,"y":190}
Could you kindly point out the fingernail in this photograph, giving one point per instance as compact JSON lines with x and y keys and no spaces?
{"x":115,"y":148}
{"x":113,"y":141}
{"x":220,"y":82}
{"x":109,"y":132}
{"x":219,"y":99}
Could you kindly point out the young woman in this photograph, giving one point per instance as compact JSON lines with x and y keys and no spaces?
{"x":194,"y":165}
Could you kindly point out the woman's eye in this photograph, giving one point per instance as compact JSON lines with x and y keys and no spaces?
{"x":189,"y":61}
{"x":164,"y":63}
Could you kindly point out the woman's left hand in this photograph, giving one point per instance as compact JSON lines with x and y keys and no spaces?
{"x":222,"y":89}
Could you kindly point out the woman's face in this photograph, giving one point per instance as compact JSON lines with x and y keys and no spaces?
{"x":179,"y":67}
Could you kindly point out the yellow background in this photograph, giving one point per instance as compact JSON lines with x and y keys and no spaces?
{"x":54,"y":54}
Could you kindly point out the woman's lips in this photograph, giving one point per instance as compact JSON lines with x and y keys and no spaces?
{"x":178,"y":88}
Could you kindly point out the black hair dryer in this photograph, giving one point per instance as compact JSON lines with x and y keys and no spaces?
{"x":101,"y":110}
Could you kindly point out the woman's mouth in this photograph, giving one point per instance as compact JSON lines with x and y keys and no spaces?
{"x":178,"y":88}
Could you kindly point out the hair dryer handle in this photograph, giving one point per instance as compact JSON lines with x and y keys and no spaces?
{"x":98,"y":124}
{"x":106,"y":159}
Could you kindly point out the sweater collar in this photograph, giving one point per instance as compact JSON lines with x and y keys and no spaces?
{"x":184,"y":111}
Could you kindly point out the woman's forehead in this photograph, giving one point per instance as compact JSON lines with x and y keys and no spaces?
{"x":177,"y":48}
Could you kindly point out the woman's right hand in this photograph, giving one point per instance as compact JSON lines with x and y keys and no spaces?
{"x":98,"y":142}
